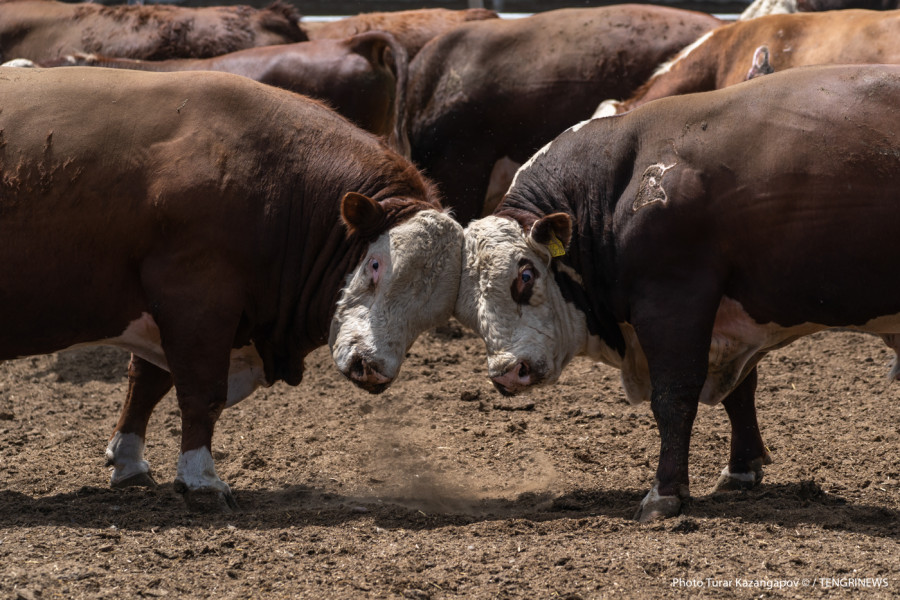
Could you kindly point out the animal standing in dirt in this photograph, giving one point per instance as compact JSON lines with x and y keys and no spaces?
{"x":208,"y":223}
{"x":684,"y":240}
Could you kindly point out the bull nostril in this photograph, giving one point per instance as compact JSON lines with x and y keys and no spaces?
{"x":524,"y":370}
{"x":357,"y":368}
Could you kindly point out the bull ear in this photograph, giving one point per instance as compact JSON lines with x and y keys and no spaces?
{"x":361,"y":214}
{"x":553,"y":231}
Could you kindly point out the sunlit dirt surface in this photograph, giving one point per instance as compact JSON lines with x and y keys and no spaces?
{"x":441,"y":488}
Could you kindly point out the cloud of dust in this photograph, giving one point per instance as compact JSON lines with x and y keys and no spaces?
{"x":416,"y":466}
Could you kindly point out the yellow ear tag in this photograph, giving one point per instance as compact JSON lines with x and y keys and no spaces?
{"x":555,"y":246}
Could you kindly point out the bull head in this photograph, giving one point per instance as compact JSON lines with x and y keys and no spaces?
{"x":508,"y":294}
{"x":406,"y":283}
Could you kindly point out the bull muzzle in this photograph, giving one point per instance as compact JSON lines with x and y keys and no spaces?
{"x":366,"y":374}
{"x":516,"y":380}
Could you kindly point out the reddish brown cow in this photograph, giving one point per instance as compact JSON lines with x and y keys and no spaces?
{"x":362,"y":77}
{"x":724,"y":56}
{"x":195,"y":220}
{"x":41,"y":30}
{"x":500,"y":88}
{"x":413,"y":28}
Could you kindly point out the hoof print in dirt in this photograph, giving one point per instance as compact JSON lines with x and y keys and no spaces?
{"x":206,"y":500}
{"x":137,"y":480}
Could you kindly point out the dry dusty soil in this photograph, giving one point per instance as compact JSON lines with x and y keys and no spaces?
{"x":441,"y":488}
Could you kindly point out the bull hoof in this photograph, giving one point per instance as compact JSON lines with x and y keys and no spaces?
{"x":206,"y":500}
{"x":729,"y":481}
{"x":654,"y":507}
{"x":136,"y":480}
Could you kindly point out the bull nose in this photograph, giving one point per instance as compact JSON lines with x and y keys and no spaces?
{"x":366,"y":375}
{"x":515,"y":380}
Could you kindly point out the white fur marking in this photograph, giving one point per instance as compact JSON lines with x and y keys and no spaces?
{"x":245,"y":372}
{"x":530,"y":162}
{"x":20,"y":63}
{"x":667,"y":66}
{"x":748,"y":477}
{"x":125,"y":452}
{"x":198,"y":471}
{"x":607,"y":108}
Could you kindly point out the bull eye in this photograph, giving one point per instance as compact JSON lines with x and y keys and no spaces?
{"x":374,"y":266}
{"x":523,"y":285}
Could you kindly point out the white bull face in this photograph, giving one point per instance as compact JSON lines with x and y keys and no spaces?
{"x":405,"y":284}
{"x":509,"y":296}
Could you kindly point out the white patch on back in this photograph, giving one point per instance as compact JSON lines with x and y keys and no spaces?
{"x":530,"y":162}
{"x":20,"y":63}
{"x":607,"y":108}
{"x":667,"y":66}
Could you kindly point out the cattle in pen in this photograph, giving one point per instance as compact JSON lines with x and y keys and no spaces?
{"x":217,"y":228}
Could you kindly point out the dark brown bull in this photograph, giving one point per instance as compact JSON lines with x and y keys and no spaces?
{"x":413,"y":28}
{"x":503,"y":88}
{"x":195,"y":220}
{"x":362,"y":77}
{"x":41,"y":30}
{"x":685,"y":240}
{"x":793,"y":40}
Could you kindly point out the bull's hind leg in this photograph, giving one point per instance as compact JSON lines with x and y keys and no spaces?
{"x":147,"y":384}
{"x":748,"y":452}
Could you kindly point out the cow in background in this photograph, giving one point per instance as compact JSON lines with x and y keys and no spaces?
{"x":503,"y":88}
{"x":41,"y":30}
{"x":413,"y":28}
{"x":719,"y":59}
{"x":217,"y":228}
{"x":362,"y":77}
{"x":683,"y":241}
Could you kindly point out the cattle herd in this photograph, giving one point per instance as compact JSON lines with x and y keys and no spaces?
{"x":222,"y":190}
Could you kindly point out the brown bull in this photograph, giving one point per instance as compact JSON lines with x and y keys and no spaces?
{"x":41,"y":30}
{"x":195,"y":219}
{"x":362,"y":77}
{"x":725,"y":55}
{"x":504,"y":88}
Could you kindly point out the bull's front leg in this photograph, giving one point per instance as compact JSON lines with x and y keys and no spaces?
{"x":673,"y":322}
{"x":197,"y":324}
{"x":196,"y":478}
{"x":674,"y":407}
{"x":748,"y":452}
{"x":147,"y":384}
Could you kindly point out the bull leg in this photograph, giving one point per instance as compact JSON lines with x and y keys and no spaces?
{"x":197,"y":328}
{"x":674,"y":330}
{"x":147,"y":384}
{"x":748,"y":452}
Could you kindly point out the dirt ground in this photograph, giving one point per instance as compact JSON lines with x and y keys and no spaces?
{"x":441,"y":488}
